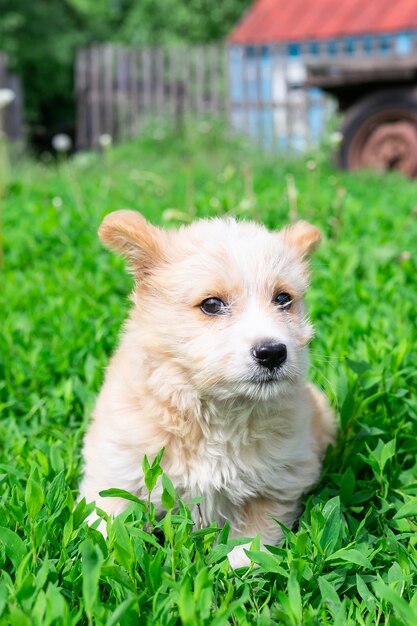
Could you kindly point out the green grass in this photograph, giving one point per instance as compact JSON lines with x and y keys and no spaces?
{"x":353,"y":558}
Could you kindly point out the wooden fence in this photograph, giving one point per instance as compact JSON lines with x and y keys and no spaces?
{"x":11,"y":117}
{"x":262,"y":89}
{"x":118,"y":87}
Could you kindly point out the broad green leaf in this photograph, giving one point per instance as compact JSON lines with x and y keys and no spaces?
{"x":186,"y":605}
{"x":14,"y":547}
{"x":294,"y":596}
{"x":347,"y":409}
{"x":332,"y":528}
{"x":359,"y":367}
{"x":219,"y":553}
{"x":118,"y":574}
{"x":408,"y":509}
{"x":387,"y":452}
{"x":202,"y":532}
{"x":92,"y":559}
{"x":202,"y":581}
{"x":302,"y":542}
{"x":145,"y":465}
{"x":82,"y":511}
{"x":395,"y":574}
{"x":122,"y":544}
{"x":256,"y":543}
{"x":56,"y":492}
{"x":352,"y":556}
{"x":122,"y":493}
{"x":34,"y":495}
{"x":144,"y":536}
{"x":152,"y":476}
{"x":158,"y":458}
{"x":167,"y":526}
{"x":364,"y":592}
{"x":347,"y":485}
{"x":268,"y":562}
{"x":224,"y":534}
{"x":168,"y":492}
{"x":55,"y":603}
{"x":329,"y":593}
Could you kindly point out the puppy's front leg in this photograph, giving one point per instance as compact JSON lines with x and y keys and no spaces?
{"x":257,"y":516}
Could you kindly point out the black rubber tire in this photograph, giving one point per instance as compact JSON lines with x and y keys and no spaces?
{"x":402,"y":100}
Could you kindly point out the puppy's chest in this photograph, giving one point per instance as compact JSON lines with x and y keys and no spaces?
{"x":239,"y":465}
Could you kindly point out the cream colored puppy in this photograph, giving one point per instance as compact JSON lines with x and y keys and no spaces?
{"x":211,"y":366}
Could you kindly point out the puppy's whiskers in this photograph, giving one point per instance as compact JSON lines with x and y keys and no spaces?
{"x":329,"y":385}
{"x":326,"y":358}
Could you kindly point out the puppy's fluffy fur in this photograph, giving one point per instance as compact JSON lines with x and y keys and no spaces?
{"x":246,"y":438}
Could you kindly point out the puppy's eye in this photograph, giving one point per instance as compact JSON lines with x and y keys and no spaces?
{"x":213,"y":306}
{"x":283,"y":300}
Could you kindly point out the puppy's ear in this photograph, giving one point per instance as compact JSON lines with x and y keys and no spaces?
{"x":128,"y":233}
{"x":302,"y":236}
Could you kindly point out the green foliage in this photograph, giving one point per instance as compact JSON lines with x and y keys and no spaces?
{"x":352,"y":559}
{"x":197,"y":21}
{"x":41,"y":38}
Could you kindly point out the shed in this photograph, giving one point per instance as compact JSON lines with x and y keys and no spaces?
{"x":272,"y":44}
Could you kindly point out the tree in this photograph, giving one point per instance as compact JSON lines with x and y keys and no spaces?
{"x":42,"y":36}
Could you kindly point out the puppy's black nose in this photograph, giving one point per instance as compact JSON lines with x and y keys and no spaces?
{"x":270,"y":354}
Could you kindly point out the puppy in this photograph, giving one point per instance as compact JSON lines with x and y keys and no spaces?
{"x":212,"y":366}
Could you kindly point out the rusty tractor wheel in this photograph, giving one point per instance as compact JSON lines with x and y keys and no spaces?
{"x":380,"y":132}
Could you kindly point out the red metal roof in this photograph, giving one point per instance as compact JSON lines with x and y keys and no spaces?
{"x":270,"y":21}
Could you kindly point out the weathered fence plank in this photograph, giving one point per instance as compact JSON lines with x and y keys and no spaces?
{"x":93,"y":83}
{"x":146,"y":85}
{"x":117,"y":87}
{"x":159,"y":59}
{"x":134,"y":91}
{"x":107,"y":93}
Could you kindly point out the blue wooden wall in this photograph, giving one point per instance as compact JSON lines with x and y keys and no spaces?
{"x":252,"y":75}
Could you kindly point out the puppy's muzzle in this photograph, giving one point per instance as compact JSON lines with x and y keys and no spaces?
{"x":270,"y":355}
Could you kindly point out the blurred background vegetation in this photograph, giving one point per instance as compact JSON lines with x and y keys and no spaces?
{"x":41,"y":37}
